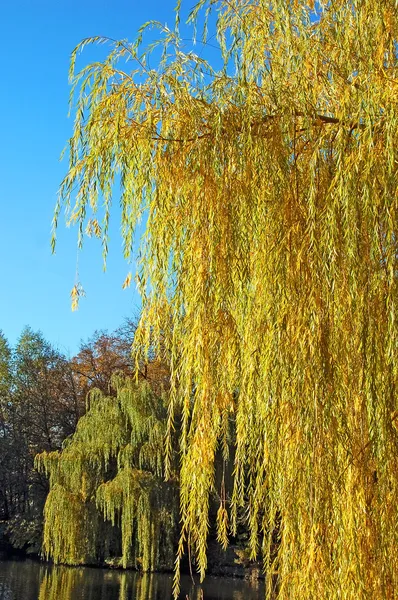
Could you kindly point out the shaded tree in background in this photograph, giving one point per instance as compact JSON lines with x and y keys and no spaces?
{"x":268,"y":267}
{"x":5,"y":447}
{"x":41,"y":398}
{"x":40,"y":409}
{"x":112,"y":469}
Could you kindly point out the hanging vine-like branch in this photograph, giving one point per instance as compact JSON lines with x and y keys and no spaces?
{"x":268,"y":269}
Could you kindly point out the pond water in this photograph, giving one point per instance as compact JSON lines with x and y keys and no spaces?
{"x":29,"y":580}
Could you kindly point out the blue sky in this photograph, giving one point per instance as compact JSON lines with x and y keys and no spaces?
{"x":37,"y":37}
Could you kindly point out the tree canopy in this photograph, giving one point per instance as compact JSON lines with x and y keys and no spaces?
{"x":111,"y":470}
{"x":267,"y":269}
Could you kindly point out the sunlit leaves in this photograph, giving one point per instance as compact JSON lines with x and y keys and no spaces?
{"x":127,"y":281}
{"x":268,"y":270}
{"x":77,"y":292}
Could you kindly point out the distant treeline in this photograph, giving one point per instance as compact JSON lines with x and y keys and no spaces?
{"x":42,"y":397}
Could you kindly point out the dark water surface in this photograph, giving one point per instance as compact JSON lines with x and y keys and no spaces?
{"x":28,"y":580}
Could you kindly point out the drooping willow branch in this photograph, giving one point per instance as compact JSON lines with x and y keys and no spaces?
{"x":268,"y":272}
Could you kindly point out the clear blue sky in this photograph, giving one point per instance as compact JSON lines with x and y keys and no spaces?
{"x":37,"y":37}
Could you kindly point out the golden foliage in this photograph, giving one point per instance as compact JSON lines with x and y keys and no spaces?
{"x":77,"y":292}
{"x":268,"y":269}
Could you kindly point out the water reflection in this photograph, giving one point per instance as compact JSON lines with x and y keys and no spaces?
{"x":28,"y":580}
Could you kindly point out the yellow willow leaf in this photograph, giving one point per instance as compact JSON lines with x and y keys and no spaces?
{"x":76,"y":293}
{"x":127,"y":281}
{"x":93,"y":228}
{"x":222,"y":526}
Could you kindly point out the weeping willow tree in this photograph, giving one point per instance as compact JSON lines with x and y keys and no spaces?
{"x":268,"y":267}
{"x":112,"y":470}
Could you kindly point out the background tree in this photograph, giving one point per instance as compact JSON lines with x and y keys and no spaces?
{"x":41,"y":409}
{"x":99,"y":358}
{"x":5,"y":446}
{"x":268,"y":269}
{"x":40,"y":386}
{"x":112,"y":470}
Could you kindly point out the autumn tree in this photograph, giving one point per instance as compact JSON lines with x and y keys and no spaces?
{"x":98,"y":359}
{"x":268,"y":267}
